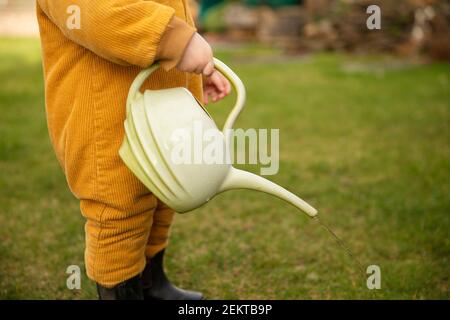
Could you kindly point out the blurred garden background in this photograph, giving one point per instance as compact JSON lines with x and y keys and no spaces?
{"x":364,"y":119}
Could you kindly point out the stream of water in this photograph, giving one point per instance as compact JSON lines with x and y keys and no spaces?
{"x":341,"y":243}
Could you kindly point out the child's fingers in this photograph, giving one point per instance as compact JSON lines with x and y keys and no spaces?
{"x":218,"y":80}
{"x":208,"y":70}
{"x":214,"y":95}
{"x":225,"y":85}
{"x":228,"y":86}
{"x":209,"y":92}
{"x":216,"y":88}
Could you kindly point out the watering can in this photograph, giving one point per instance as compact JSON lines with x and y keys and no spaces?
{"x":154,"y":115}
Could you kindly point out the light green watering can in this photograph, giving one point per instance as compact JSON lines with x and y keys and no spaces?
{"x":147,"y":148}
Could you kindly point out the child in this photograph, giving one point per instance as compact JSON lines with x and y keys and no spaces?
{"x":92,"y":51}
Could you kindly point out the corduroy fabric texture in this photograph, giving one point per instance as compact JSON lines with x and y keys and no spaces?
{"x":87,"y":73}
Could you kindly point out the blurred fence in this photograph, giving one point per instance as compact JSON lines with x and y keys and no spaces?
{"x":408,"y":27}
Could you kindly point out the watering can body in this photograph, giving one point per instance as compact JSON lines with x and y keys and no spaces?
{"x":148,"y":147}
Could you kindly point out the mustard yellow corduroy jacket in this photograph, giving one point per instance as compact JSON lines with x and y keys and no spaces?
{"x":88,"y":71}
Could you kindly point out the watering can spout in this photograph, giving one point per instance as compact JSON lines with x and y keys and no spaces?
{"x":240,"y":179}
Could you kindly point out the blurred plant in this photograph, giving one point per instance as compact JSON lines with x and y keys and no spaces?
{"x":213,"y":18}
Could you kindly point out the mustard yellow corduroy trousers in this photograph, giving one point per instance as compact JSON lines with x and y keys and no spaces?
{"x":88,"y":71}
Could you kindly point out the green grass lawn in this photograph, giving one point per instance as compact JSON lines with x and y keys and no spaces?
{"x":364,"y":139}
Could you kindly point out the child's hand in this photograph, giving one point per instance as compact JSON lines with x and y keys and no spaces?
{"x":197,"y":57}
{"x":215,"y":86}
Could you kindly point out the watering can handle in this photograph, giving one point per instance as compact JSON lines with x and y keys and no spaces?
{"x":240,"y":97}
{"x":137,"y":84}
{"x":219,"y":65}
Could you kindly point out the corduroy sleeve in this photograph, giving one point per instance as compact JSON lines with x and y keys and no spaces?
{"x":174,"y":42}
{"x":127,"y":32}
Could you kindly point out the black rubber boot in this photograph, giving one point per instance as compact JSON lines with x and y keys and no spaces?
{"x":158,"y":287}
{"x":127,"y":290}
